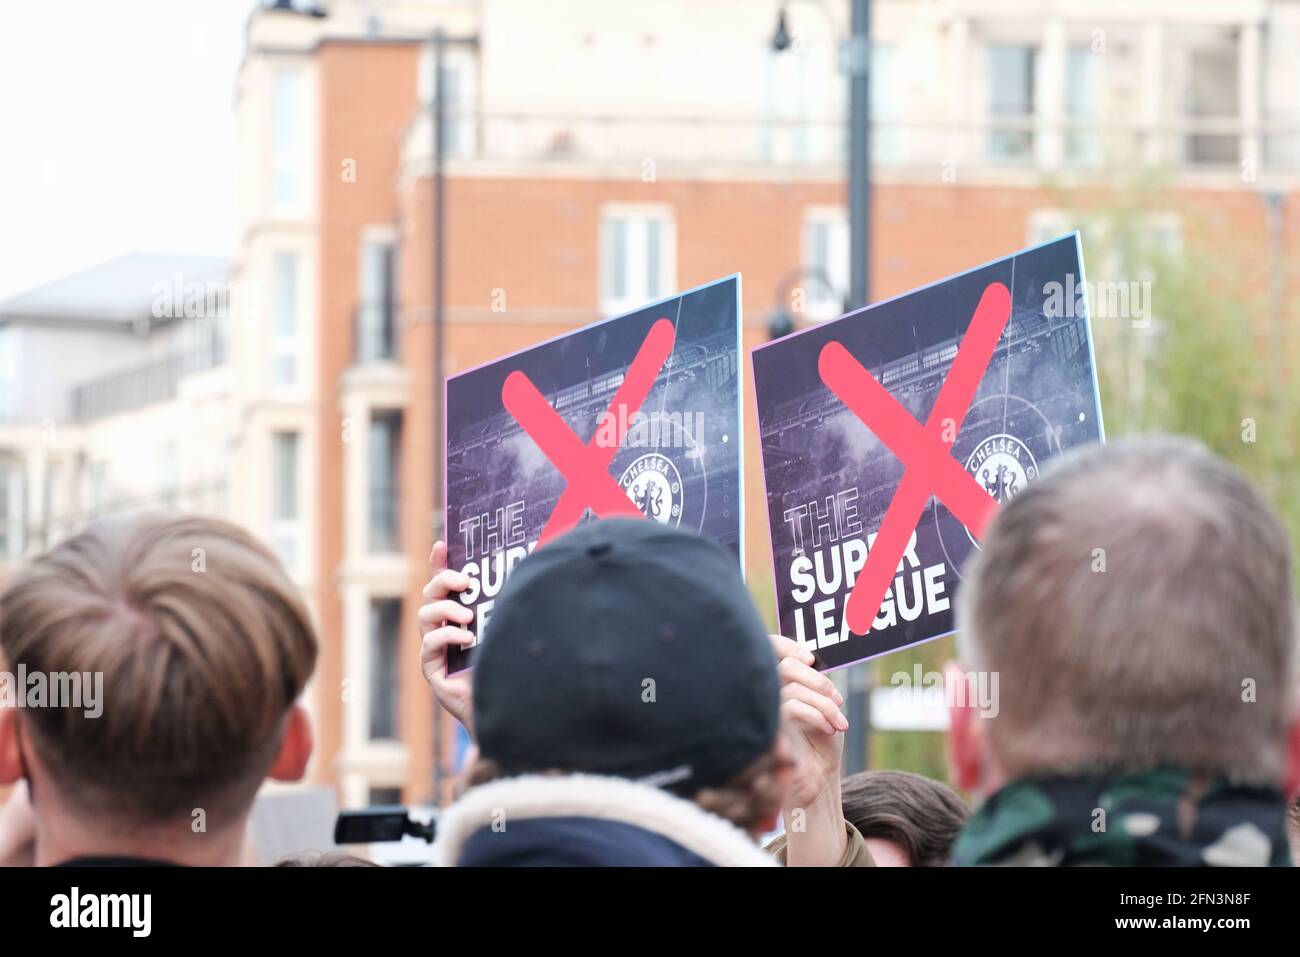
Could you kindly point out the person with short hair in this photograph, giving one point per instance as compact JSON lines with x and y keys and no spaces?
{"x":906,"y":819}
{"x":1136,"y":603}
{"x":626,"y":704}
{"x":203,"y":645}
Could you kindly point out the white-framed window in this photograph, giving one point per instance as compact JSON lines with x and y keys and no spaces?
{"x":12,"y":508}
{"x":385,"y":630}
{"x":1213,"y":95}
{"x":94,"y":487}
{"x":167,"y":469}
{"x":785,"y":134}
{"x":286,"y":497}
{"x":288,"y":141}
{"x":8,"y":371}
{"x":825,"y":278}
{"x":51,"y":500}
{"x":376,"y":337}
{"x":1012,"y":70}
{"x":385,"y":480}
{"x":886,"y":105}
{"x":1082,"y":145}
{"x":459,"y":72}
{"x":638,"y":256}
{"x":286,"y":308}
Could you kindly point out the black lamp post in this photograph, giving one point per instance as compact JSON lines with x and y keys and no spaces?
{"x":856,"y":62}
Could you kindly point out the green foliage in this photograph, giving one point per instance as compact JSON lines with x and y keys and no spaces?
{"x":922,"y":752}
{"x":1209,"y":359}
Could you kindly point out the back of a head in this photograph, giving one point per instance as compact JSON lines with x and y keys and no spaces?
{"x":921,"y":816}
{"x":203,"y":642}
{"x":1137,"y":604}
{"x":627,"y":649}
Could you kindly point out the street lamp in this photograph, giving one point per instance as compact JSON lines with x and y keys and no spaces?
{"x":781,"y":320}
{"x":781,"y":39}
{"x":856,"y":62}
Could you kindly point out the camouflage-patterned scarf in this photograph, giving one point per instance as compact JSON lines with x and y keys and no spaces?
{"x":1149,"y":818}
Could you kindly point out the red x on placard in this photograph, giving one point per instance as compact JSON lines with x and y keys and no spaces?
{"x":586,"y":467}
{"x":925,"y":452}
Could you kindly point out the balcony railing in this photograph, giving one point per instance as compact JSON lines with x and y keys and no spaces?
{"x":999,"y":142}
{"x":143,"y":385}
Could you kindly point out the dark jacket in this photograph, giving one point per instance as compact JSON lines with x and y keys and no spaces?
{"x":586,"y":821}
{"x":574,"y":842}
{"x":1163,"y":817}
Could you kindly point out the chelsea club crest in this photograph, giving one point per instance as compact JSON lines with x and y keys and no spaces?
{"x":1003,"y":466}
{"x":654,"y":485}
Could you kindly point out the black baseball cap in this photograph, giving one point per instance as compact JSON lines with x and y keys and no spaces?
{"x":630,"y":649}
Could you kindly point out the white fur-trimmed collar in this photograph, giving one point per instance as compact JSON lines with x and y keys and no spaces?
{"x":610,"y":799}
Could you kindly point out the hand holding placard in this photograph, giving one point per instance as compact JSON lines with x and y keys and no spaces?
{"x":637,"y":416}
{"x":891,"y":436}
{"x":439,"y":632}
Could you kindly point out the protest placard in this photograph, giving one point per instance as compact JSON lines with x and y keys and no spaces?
{"x":891,"y":435}
{"x":636,"y":415}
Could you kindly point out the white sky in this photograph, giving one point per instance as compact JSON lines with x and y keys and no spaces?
{"x":116,"y":131}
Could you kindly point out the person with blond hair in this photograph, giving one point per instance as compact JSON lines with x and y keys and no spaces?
{"x":203,"y":646}
{"x":1137,"y":603}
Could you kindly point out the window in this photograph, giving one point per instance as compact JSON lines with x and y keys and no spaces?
{"x":785,"y":135}
{"x":638,"y":252}
{"x":375,"y":327}
{"x":288,"y":142}
{"x":886,"y":100}
{"x":8,"y":371}
{"x":94,"y":488}
{"x":51,"y":506}
{"x":1212,"y":96}
{"x":284,"y":319}
{"x":167,"y":468}
{"x":825,"y":262}
{"x":1082,"y":147}
{"x":1011,"y":102}
{"x":286,"y":508}
{"x":385,"y":466}
{"x":458,"y":75}
{"x":11,"y":509}
{"x":385,"y":626}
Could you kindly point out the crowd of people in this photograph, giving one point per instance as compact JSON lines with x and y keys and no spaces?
{"x":630,"y":708}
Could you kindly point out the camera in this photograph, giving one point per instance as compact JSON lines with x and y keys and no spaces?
{"x":381,"y":824}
